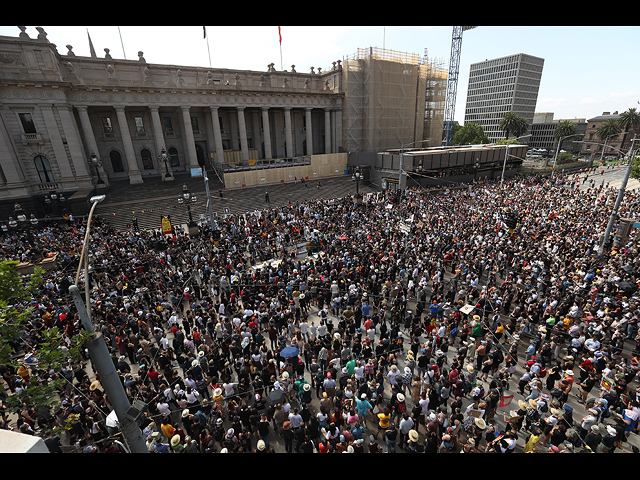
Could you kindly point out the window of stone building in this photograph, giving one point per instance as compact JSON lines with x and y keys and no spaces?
{"x":107,"y":125}
{"x":173,"y":154}
{"x":194,"y":125}
{"x":139,"y":124}
{"x":116,"y":161}
{"x":168,"y":127}
{"x":27,"y":123}
{"x":147,"y":162}
{"x":44,"y":169}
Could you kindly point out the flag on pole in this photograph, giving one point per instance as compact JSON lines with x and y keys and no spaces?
{"x":280,"y":35}
{"x":204,"y":30}
{"x":91,"y":49}
{"x":505,"y":401}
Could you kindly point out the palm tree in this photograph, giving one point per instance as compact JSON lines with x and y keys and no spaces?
{"x":629,"y":119}
{"x":513,"y":123}
{"x":564,"y":129}
{"x":608,"y":129}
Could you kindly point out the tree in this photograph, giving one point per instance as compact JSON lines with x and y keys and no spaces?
{"x":635,"y":169}
{"x":52,"y":351}
{"x":628,"y":120}
{"x":512,"y":123}
{"x":470,"y":134}
{"x":564,"y":129}
{"x":608,"y":129}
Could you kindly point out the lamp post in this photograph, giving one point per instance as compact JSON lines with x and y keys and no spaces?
{"x":356,"y":177}
{"x":96,"y":163}
{"x":54,"y":199}
{"x":18,"y":212}
{"x":164,"y":157}
{"x":621,"y":191}
{"x":401,"y":169}
{"x":555,"y":157}
{"x":506,"y":155}
{"x":188,"y":199}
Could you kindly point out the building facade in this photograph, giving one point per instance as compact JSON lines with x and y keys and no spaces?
{"x":616,"y":146}
{"x":59,"y":109}
{"x":543,"y":130}
{"x":502,"y":85}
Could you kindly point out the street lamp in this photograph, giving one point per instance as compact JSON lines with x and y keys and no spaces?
{"x":555,"y":158}
{"x":187,"y":199}
{"x":165,"y":158}
{"x":401,"y":172}
{"x":356,"y":177}
{"x":96,"y":163}
{"x":506,"y":155}
{"x":621,"y":191}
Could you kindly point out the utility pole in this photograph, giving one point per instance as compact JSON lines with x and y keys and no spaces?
{"x":106,"y":370}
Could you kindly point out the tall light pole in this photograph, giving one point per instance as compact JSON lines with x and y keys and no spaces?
{"x":99,"y":354}
{"x":555,"y":158}
{"x":623,"y":186}
{"x":356,"y":177}
{"x":166,"y":160}
{"x":401,"y":169}
{"x":506,"y":155}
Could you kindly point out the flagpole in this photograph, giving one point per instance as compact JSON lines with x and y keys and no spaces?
{"x":204,"y":30}
{"x":125,"y":55}
{"x":280,"y":37}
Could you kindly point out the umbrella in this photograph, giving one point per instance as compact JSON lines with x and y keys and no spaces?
{"x":289,"y":352}
{"x":275,"y":397}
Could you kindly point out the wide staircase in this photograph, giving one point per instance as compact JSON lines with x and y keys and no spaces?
{"x":153,"y":199}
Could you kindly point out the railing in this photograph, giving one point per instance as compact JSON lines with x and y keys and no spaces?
{"x":263,"y":164}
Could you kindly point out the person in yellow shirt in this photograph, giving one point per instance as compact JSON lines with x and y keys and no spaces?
{"x":384,"y":420}
{"x":534,"y":439}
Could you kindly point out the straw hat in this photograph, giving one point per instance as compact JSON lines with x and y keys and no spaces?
{"x":480,"y":423}
{"x":413,"y":436}
{"x":175,"y":440}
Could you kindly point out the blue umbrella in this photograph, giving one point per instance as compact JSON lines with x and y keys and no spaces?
{"x":289,"y":352}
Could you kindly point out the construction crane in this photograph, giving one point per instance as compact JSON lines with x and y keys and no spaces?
{"x":452,"y":84}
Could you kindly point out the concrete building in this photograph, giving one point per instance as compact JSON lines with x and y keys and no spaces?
{"x":71,"y":125}
{"x":615,"y":144}
{"x":543,"y":129}
{"x":502,"y":85}
{"x":59,"y":108}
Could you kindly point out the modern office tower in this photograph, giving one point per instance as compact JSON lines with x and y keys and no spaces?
{"x":502,"y":85}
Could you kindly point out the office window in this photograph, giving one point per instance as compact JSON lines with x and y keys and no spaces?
{"x":44,"y":169}
{"x":27,"y":123}
{"x":139,"y":124}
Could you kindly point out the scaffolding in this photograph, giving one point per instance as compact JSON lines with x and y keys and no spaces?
{"x":392,"y":99}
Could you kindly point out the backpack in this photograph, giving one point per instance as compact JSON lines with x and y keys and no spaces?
{"x":402,"y":407}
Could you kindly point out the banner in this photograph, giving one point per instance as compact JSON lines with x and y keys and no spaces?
{"x":167,"y":229}
{"x":505,"y":401}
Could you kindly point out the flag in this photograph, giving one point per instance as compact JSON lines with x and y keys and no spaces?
{"x":505,"y":401}
{"x":204,"y":30}
{"x":280,"y":35}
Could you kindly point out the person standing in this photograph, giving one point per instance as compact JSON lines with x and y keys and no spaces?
{"x":266,"y":197}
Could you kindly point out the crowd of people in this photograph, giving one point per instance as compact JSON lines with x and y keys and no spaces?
{"x":412,"y":326}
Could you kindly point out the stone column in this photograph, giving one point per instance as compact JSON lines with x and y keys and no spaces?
{"x":327,"y":130}
{"x":266,"y":132}
{"x":11,"y":166}
{"x":309,"y":131}
{"x":190,"y":139}
{"x":338,"y":129}
{"x":217,"y":135}
{"x":158,"y":135}
{"x":53,"y":131}
{"x":287,"y":130}
{"x":242,"y":127}
{"x":134,"y":172}
{"x":90,"y":138}
{"x":74,"y":144}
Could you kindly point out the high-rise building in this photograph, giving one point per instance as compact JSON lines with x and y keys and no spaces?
{"x":502,"y":85}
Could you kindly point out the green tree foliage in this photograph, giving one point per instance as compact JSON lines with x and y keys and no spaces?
{"x":51,"y":353}
{"x":470,"y":134}
{"x":513,"y":124}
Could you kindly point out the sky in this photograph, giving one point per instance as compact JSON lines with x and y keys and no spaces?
{"x":587,"y":70}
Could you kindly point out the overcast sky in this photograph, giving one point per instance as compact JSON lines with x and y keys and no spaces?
{"x":587,"y":70}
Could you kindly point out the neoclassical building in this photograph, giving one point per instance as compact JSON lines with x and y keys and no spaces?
{"x":59,"y":110}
